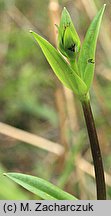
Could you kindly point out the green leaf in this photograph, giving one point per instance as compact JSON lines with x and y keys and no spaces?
{"x":61,"y":68}
{"x":40,"y":187}
{"x":86,"y":60}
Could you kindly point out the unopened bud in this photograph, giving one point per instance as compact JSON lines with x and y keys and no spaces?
{"x":68,"y":39}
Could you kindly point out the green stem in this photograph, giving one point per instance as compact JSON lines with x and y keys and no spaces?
{"x":95,"y":149}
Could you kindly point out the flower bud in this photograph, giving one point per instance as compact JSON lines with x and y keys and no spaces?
{"x":68,"y":39}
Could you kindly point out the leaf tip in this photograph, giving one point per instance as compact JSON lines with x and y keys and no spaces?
{"x":35,"y":35}
{"x":104,"y":6}
{"x":65,"y":12}
{"x":30,"y":31}
{"x":56,"y":26}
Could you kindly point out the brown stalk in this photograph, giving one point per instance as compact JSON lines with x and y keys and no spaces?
{"x":95,"y":149}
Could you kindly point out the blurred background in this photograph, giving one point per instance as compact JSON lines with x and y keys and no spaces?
{"x":42,"y":129}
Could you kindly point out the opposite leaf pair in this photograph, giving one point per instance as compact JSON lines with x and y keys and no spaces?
{"x":78,"y":74}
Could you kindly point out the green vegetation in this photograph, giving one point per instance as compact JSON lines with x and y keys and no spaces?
{"x":32,"y":99}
